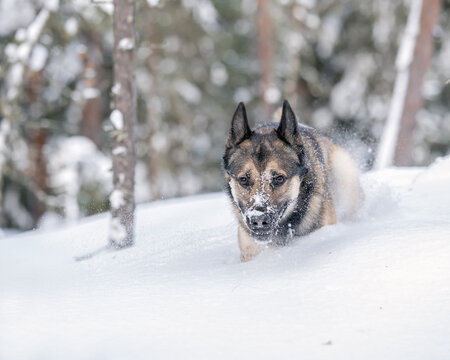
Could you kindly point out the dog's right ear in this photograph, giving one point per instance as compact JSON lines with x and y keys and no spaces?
{"x":240,"y":130}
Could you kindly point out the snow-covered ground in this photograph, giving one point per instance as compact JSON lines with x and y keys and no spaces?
{"x":374,"y":288}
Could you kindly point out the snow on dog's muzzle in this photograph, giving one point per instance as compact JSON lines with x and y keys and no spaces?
{"x":261,"y":223}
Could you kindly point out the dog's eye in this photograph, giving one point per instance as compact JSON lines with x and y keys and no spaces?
{"x":278,"y":180}
{"x":243,"y":180}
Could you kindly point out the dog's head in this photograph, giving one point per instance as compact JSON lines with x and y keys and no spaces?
{"x":263,"y":171}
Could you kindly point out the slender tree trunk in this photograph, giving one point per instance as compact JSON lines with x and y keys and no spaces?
{"x":153,"y":118}
{"x":38,"y":138}
{"x":412,"y":63}
{"x":4,"y":132}
{"x":264,"y":26}
{"x":92,"y":115}
{"x":123,"y":119}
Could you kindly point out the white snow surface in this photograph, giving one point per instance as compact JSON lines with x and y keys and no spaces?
{"x":374,"y":288}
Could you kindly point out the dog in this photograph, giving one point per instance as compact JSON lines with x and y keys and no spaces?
{"x":285,"y":180}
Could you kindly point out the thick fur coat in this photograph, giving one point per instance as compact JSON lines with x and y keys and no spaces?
{"x":285,"y":180}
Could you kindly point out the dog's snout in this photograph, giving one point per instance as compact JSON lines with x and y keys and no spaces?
{"x":260,"y":221}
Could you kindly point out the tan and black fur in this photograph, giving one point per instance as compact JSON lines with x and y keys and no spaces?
{"x":285,"y":180}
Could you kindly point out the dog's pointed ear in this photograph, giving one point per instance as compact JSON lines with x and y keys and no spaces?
{"x":288,"y":128}
{"x":240,"y":130}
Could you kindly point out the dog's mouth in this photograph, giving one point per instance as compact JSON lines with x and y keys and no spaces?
{"x":264,"y":237}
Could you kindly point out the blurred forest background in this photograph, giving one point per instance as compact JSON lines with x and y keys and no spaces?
{"x":334,"y":60}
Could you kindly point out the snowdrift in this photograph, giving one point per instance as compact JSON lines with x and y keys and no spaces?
{"x":376,"y":287}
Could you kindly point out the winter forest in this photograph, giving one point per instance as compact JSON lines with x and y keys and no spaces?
{"x":114,"y":115}
{"x":335,"y":61}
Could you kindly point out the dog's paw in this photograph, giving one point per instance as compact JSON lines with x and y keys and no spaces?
{"x":246,"y":257}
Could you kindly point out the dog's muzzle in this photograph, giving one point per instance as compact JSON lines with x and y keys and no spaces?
{"x":263,"y":222}
{"x":261,"y":226}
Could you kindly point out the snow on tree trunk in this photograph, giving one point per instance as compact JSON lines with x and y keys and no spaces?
{"x":412,"y":63}
{"x":269,"y":93}
{"x":123,"y":119}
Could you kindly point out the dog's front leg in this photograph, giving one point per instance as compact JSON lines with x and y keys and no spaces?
{"x":249,"y":247}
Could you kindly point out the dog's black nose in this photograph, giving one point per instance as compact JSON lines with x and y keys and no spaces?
{"x":260,"y":221}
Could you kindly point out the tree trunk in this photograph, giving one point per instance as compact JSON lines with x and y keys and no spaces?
{"x":123,"y":119}
{"x":264,"y":26}
{"x":412,"y":63}
{"x":92,"y":115}
{"x":153,"y":118}
{"x":38,"y":138}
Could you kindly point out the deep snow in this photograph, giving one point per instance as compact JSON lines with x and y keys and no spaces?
{"x":376,"y":287}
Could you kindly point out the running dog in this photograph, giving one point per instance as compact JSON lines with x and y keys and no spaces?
{"x":285,"y":180}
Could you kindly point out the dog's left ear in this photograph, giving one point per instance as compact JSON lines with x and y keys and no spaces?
{"x":288,"y":128}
